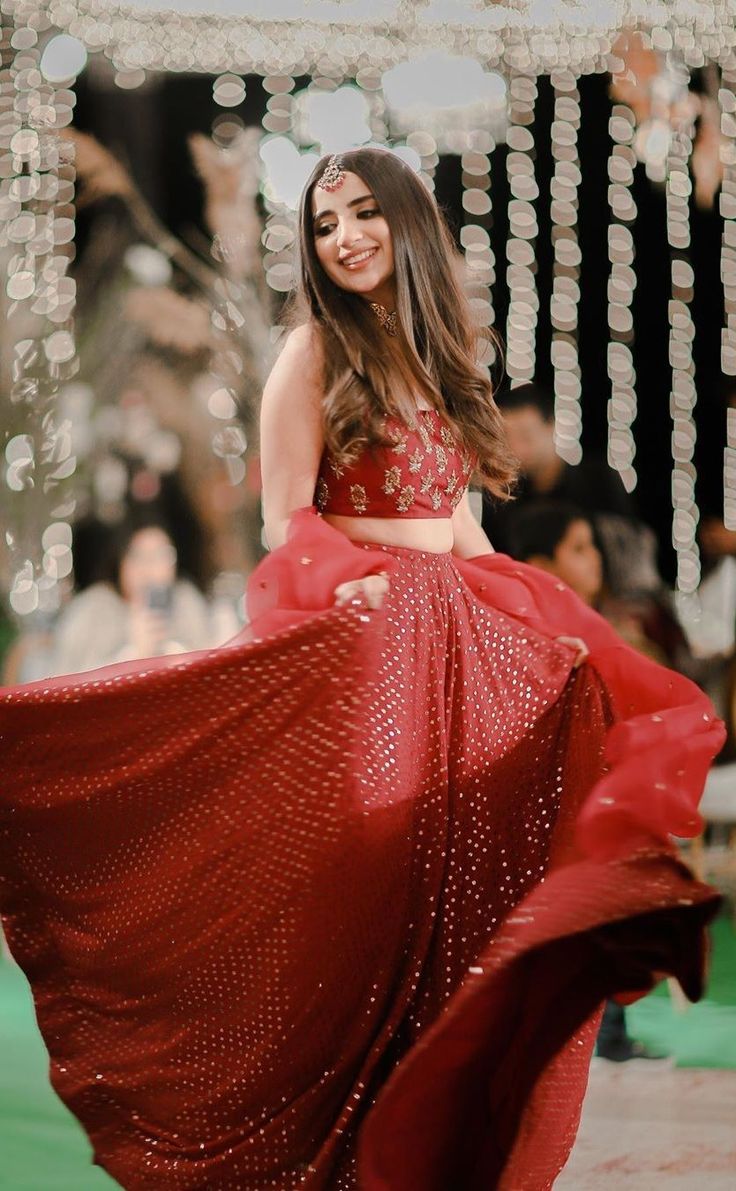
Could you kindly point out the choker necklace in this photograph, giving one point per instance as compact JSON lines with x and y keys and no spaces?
{"x":386,"y":318}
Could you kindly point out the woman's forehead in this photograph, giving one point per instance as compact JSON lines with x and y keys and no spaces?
{"x":351,"y":188}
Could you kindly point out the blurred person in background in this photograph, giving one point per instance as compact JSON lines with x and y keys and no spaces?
{"x":709,"y":621}
{"x":528,"y":413}
{"x":139,"y":607}
{"x":558,"y":538}
{"x":629,"y":548}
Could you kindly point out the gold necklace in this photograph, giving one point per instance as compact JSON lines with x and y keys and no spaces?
{"x":386,"y":318}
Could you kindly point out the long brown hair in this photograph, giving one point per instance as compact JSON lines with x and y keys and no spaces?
{"x":369,"y":375}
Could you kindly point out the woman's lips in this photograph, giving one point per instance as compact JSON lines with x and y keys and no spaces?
{"x":360,"y":260}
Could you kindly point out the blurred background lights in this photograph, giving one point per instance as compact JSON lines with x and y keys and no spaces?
{"x":442,"y":81}
{"x":333,"y":119}
{"x":228,"y":90}
{"x":409,"y":155}
{"x":286,"y":170}
{"x":148,"y":266}
{"x":63,"y":58}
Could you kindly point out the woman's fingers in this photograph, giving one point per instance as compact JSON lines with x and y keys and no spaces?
{"x":581,"y":649}
{"x":369,"y":591}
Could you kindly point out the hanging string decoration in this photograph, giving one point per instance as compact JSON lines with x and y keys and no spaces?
{"x":622,"y":404}
{"x":683,"y":392}
{"x":181,"y":35}
{"x":37,"y":224}
{"x":566,"y":266}
{"x":480,"y":262}
{"x":523,"y":312}
{"x":727,"y":105}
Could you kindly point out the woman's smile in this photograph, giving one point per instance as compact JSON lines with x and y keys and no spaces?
{"x":358,"y":259}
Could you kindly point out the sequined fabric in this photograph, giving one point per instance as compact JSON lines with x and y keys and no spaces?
{"x":280,"y":904}
{"x":424,"y":473}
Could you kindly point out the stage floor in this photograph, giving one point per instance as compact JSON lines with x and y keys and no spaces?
{"x":649,"y":1128}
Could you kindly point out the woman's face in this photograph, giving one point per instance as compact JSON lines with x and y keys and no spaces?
{"x":149,"y":561}
{"x":578,"y":562}
{"x":353,"y":241}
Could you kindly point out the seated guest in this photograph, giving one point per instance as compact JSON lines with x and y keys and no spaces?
{"x":628,"y":547}
{"x":558,"y":538}
{"x":140,"y":607}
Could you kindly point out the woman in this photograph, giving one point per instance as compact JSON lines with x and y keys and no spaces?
{"x":281,"y":904}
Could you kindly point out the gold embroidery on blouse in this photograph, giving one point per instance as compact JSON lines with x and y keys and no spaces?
{"x":457,"y":497}
{"x":441,"y":457}
{"x":335,"y":468}
{"x":451,"y":483}
{"x":405,"y":499}
{"x":415,"y":460}
{"x":399,"y":439}
{"x":358,"y":498}
{"x":392,"y":480}
{"x":322,"y":494}
{"x":425,"y":437}
{"x":436,"y":499}
{"x":447,"y":439}
{"x":427,"y":482}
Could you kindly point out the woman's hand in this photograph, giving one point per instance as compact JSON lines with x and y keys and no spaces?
{"x":370,"y":591}
{"x":576,"y":643}
{"x":147,"y":630}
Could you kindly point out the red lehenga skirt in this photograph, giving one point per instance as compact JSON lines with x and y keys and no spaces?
{"x":336,"y":905}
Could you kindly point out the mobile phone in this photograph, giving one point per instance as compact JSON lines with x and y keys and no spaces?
{"x":159,"y":598}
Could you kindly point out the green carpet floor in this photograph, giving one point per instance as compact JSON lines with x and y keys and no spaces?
{"x":704,"y":1035}
{"x":43,"y":1149}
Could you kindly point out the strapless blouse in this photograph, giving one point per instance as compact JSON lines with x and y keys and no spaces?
{"x":422,"y":473}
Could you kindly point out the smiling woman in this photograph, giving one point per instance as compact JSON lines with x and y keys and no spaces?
{"x":336,"y":906}
{"x":353,"y":241}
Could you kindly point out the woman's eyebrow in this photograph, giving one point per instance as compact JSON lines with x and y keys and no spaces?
{"x":353,"y":203}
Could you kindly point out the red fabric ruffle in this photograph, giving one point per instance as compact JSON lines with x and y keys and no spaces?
{"x":666,"y":733}
{"x":260,"y":922}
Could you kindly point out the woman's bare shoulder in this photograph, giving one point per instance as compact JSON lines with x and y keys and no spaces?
{"x":298,"y":371}
{"x":305,"y":342}
{"x":296,"y":379}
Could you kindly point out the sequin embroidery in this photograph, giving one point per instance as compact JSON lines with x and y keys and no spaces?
{"x":417,"y":473}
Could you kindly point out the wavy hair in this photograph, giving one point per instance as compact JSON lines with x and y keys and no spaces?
{"x":370,"y":376}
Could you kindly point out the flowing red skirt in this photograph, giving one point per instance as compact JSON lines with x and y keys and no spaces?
{"x":336,"y":905}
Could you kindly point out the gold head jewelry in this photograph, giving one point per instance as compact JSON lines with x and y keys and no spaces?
{"x":386,"y":318}
{"x":334,"y":175}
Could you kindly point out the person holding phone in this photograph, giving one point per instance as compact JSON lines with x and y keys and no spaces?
{"x":140,"y":608}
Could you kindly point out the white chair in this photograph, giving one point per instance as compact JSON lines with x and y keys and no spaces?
{"x":716,"y":859}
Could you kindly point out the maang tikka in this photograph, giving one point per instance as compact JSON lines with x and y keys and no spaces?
{"x":334,"y":175}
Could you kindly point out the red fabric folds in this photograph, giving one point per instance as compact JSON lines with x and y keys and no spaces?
{"x":281,"y":904}
{"x":494,"y":1090}
{"x":666,"y":733}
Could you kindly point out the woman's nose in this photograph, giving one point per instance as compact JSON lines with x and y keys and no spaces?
{"x":347,"y":234}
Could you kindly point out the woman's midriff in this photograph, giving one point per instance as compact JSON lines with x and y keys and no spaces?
{"x":433,"y":534}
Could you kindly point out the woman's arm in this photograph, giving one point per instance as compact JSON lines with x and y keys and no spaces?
{"x":292,"y":438}
{"x":292,"y":441}
{"x":470,"y":540}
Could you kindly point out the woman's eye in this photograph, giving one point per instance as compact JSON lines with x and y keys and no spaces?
{"x":325,"y":229}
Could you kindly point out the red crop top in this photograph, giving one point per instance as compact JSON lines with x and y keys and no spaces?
{"x":424,"y":473}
